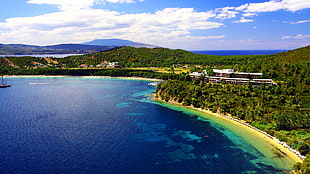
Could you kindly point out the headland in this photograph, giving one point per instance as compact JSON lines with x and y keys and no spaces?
{"x":268,"y":145}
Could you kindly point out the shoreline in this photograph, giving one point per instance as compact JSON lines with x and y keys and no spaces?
{"x":103,"y":77}
{"x":281,"y":146}
{"x":273,"y":141}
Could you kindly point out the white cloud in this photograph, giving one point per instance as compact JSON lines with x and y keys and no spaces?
{"x":252,"y":9}
{"x":243,"y":20}
{"x":249,"y":14}
{"x":226,"y":13}
{"x":298,"y":22}
{"x":77,"y":22}
{"x":275,"y":5}
{"x":298,"y":36}
{"x":86,"y":24}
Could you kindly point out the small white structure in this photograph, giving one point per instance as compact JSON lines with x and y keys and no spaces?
{"x":197,"y":74}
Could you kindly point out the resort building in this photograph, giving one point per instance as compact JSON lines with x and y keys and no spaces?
{"x":223,"y":73}
{"x":232,"y":74}
{"x":229,"y":76}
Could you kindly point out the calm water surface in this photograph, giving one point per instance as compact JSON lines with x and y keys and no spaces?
{"x":83,"y":125}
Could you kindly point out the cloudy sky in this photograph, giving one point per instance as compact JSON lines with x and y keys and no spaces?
{"x":185,"y":24}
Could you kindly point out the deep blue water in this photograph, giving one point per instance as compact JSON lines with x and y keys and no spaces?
{"x":238,"y":52}
{"x":81,"y":125}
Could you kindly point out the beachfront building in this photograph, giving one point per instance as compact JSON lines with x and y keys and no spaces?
{"x":223,"y":72}
{"x":230,"y":73}
{"x":229,"y":76}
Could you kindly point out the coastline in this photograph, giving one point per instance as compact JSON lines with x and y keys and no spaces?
{"x":104,"y":77}
{"x":258,"y":133}
{"x":282,"y":147}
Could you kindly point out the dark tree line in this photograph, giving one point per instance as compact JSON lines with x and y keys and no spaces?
{"x":277,"y":109}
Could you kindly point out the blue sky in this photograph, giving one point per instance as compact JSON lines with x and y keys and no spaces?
{"x":184,"y":24}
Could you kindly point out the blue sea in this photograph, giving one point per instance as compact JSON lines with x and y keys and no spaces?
{"x":238,"y":52}
{"x":112,"y":126}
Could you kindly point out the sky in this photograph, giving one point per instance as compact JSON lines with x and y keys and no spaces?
{"x":176,"y":24}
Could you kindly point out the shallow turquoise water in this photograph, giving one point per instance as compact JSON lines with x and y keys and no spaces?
{"x":83,"y":125}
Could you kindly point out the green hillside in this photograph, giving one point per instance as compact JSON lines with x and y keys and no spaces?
{"x":293,"y":56}
{"x":140,"y":57}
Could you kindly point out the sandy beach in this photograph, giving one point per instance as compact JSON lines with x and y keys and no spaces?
{"x":62,"y":76}
{"x":280,"y":146}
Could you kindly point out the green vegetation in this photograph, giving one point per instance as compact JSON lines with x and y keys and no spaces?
{"x":94,"y":72}
{"x":303,"y":168}
{"x":274,"y":109}
{"x":141,"y":57}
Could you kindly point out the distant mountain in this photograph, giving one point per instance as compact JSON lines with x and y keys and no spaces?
{"x":21,"y":49}
{"x":118,"y":43}
{"x":83,"y":48}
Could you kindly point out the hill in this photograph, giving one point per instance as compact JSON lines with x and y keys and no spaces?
{"x":293,"y":56}
{"x":21,"y":49}
{"x":139,"y":57}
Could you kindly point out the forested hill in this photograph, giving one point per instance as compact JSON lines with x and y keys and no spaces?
{"x":280,"y":67}
{"x":293,"y":56}
{"x":142,"y":57}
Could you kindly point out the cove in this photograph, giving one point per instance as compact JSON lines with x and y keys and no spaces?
{"x":97,"y":125}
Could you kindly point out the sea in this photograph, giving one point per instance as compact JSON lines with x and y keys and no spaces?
{"x":113,"y":126}
{"x":238,"y":52}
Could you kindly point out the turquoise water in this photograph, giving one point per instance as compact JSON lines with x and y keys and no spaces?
{"x":86,"y":125}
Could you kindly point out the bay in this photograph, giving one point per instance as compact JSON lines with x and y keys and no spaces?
{"x":98,"y":125}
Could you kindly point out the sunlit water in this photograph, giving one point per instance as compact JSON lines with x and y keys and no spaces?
{"x":84,"y":125}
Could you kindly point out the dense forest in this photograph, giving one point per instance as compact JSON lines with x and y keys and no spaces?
{"x":282,"y":110}
{"x":278,"y":110}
